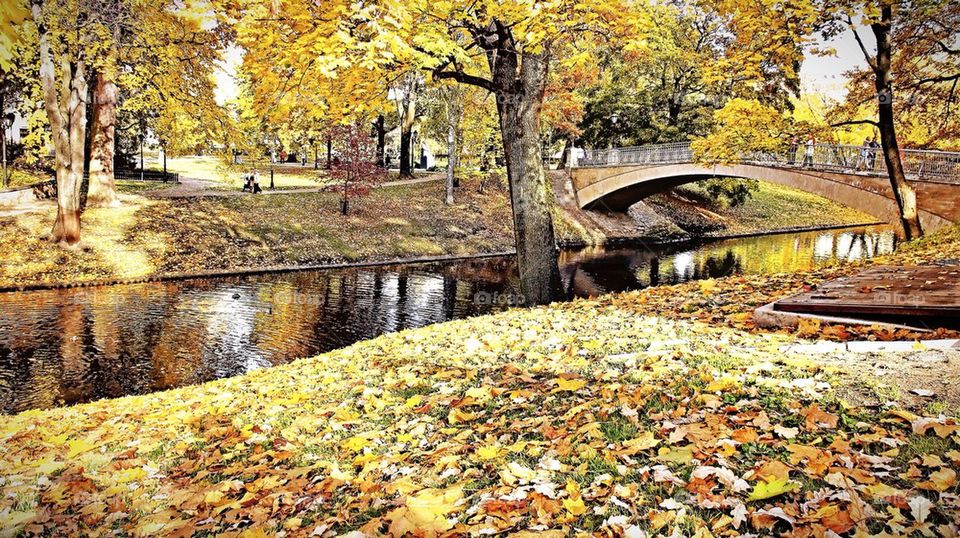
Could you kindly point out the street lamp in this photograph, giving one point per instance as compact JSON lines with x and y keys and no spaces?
{"x":7,"y":124}
{"x":614,"y":119}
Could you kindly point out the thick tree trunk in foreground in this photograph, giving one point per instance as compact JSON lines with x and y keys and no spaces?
{"x":519,"y":84}
{"x":451,"y":159}
{"x":67,"y":114}
{"x":519,"y":100}
{"x":903,"y":192}
{"x":102,"y":191}
{"x":329,"y":153}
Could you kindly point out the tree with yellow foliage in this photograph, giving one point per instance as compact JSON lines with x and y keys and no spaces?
{"x":912,"y":71}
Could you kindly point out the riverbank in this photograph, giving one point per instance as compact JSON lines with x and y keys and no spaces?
{"x":146,"y":237}
{"x":152,"y":237}
{"x":688,"y":213}
{"x":592,"y":415}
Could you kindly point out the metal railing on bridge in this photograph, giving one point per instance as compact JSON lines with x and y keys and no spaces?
{"x":918,"y":165}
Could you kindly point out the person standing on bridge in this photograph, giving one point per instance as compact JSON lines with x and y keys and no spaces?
{"x":874,"y":146}
{"x":863,"y":161}
{"x":792,"y":150}
{"x":808,"y":151}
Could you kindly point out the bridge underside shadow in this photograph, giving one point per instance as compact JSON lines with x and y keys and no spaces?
{"x":617,"y":187}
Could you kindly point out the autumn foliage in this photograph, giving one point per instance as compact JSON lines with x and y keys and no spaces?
{"x":354,"y":169}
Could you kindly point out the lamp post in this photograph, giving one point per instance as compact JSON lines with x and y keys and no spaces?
{"x":7,"y":124}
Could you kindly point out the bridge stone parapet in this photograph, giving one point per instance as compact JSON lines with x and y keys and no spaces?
{"x":616,"y":185}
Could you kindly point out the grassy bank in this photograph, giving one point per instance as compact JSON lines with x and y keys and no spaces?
{"x":150,"y":236}
{"x":590,"y":416}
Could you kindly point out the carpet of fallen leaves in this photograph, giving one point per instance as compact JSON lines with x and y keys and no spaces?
{"x":731,"y":301}
{"x":583,"y":417}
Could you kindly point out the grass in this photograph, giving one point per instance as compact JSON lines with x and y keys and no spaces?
{"x":226,"y":176}
{"x":151,"y":236}
{"x":770,"y":207}
{"x":20,"y":178}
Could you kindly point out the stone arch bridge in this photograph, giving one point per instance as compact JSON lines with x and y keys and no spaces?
{"x":616,"y":178}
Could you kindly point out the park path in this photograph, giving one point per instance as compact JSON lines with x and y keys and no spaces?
{"x":194,"y":188}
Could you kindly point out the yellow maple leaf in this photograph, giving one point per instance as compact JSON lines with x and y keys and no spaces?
{"x":941,"y":480}
{"x":571,"y":385}
{"x":575,"y":506}
{"x":355,"y":443}
{"x":213,"y":498}
{"x":766,"y":490}
{"x":488,"y":452}
{"x":79,"y":446}
{"x":428,"y":510}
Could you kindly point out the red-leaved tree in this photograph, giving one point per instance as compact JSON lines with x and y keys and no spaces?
{"x":354,"y":168}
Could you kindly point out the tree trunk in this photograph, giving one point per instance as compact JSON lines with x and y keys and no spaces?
{"x":381,"y":126}
{"x":329,"y":153}
{"x":102,"y":191}
{"x":3,"y":111}
{"x":452,"y":117}
{"x":565,"y":154}
{"x":903,"y":192}
{"x":67,"y":115}
{"x":519,"y":102}
{"x":407,"y":119}
{"x":405,"y":157}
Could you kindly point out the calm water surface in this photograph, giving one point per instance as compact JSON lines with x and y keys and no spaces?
{"x":69,"y":346}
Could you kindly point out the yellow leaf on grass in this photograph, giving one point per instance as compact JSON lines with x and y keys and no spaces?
{"x":941,"y":480}
{"x":766,"y":490}
{"x":723,"y":384}
{"x":488,"y":452}
{"x":571,"y":385}
{"x":79,"y":446}
{"x":429,"y":509}
{"x":708,"y":286}
{"x":575,"y":506}
{"x":355,"y":443}
{"x":640,"y":443}
{"x":413,"y":401}
{"x":213,"y":498}
{"x":129,"y":475}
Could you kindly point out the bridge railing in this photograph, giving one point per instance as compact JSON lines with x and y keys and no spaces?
{"x":918,"y":165}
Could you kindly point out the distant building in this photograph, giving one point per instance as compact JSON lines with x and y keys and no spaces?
{"x":18,"y":131}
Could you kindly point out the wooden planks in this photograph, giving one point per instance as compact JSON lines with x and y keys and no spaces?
{"x":925,"y":291}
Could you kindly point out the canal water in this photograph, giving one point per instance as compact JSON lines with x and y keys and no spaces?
{"x":61,"y":347}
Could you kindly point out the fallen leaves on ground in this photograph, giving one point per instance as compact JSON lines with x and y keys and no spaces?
{"x":730,"y":301}
{"x":148,"y":237}
{"x":581,"y":417}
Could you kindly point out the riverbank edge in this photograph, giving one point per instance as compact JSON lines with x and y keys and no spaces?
{"x":279,"y":269}
{"x":653,"y":241}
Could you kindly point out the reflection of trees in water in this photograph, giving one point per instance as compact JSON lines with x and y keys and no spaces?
{"x":595,"y":271}
{"x":128,"y":339}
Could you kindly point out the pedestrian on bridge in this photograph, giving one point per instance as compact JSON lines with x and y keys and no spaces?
{"x":808,"y":151}
{"x":863,"y":161}
{"x":792,"y":150}
{"x":874,"y":146}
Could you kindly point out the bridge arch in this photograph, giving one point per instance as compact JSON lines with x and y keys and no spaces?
{"x":616,"y":187}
